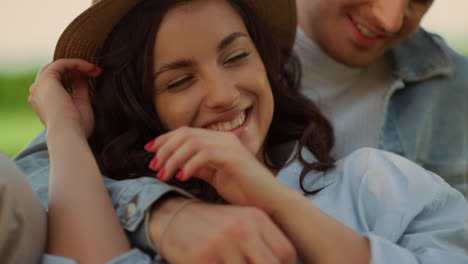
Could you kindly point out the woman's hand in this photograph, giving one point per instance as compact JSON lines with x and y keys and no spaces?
{"x":220,"y":159}
{"x":53,"y":104}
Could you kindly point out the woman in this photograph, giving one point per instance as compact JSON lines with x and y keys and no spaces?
{"x":219,"y":102}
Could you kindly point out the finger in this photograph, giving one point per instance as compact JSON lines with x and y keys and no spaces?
{"x":257,"y":252}
{"x":153,"y":145}
{"x":61,"y":66}
{"x":277,"y":242}
{"x":172,"y":141}
{"x":80,"y":86}
{"x":229,"y":253}
{"x":201,"y":165}
{"x":177,"y":160}
{"x":44,"y":68}
{"x":153,"y":163}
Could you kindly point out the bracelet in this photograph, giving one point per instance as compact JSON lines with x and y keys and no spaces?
{"x":166,"y":225}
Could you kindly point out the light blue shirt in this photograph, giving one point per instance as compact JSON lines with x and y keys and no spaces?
{"x":409,"y":215}
{"x":134,"y":256}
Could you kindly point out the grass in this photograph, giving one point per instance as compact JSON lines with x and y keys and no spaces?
{"x":19,"y":127}
{"x":18,"y":122}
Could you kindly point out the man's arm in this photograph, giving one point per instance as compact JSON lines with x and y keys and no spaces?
{"x":201,"y":231}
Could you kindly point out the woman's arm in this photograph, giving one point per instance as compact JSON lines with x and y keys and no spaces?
{"x":82,"y":222}
{"x":222,"y":160}
{"x":318,"y":237}
{"x":430,"y":223}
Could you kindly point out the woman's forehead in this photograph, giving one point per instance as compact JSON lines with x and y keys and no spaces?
{"x":196,"y":25}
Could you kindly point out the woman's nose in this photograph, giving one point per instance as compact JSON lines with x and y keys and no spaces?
{"x":220,"y":92}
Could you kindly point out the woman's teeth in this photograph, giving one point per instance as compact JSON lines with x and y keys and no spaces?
{"x":230,"y":125}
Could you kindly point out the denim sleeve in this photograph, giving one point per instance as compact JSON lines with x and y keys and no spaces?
{"x":134,"y":256}
{"x":132,"y":199}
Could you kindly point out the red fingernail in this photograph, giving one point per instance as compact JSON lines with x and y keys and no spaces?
{"x":153,"y":163}
{"x":161,"y":173}
{"x":180,"y":175}
{"x":97,"y":67}
{"x":149,"y":144}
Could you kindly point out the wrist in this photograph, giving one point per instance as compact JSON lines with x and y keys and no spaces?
{"x":282,"y":206}
{"x":160,"y":214}
{"x":64,"y":128}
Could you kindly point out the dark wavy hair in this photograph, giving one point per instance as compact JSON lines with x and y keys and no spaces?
{"x":125,"y":113}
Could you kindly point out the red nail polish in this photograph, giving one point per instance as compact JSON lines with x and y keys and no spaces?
{"x":161,"y":173}
{"x":98,"y":68}
{"x":149,"y":144}
{"x":180,"y":175}
{"x":153,"y":163}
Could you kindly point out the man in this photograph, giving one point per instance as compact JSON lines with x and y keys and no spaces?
{"x":378,"y":82}
{"x":386,"y":83}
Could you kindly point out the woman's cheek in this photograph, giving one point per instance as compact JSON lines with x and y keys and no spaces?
{"x":176,"y":114}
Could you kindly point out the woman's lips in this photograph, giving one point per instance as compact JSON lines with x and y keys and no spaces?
{"x":242,"y":128}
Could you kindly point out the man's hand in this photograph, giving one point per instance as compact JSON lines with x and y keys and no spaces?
{"x":209,"y":233}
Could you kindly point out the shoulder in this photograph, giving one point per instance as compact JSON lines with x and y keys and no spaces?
{"x":457,"y":57}
{"x":389,"y":192}
{"x":458,"y":60}
{"x":371,"y":160}
{"x":379,"y":175}
{"x":425,"y":56}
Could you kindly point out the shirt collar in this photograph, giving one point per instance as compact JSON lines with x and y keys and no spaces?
{"x":290,"y":173}
{"x":420,"y":57}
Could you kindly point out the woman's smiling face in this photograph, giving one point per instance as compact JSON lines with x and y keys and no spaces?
{"x":208,"y":73}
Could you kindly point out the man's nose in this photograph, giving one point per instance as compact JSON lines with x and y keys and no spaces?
{"x":389,"y":14}
{"x":220,"y":92}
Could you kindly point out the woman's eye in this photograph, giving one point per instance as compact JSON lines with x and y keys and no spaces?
{"x":237,"y":57}
{"x":179,"y":81}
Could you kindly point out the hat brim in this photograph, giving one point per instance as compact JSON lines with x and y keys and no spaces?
{"x":85,"y":35}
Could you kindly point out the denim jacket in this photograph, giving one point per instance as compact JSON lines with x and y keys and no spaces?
{"x":425,"y":121}
{"x":426,"y":118}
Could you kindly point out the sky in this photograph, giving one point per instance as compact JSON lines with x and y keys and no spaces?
{"x":29,"y":29}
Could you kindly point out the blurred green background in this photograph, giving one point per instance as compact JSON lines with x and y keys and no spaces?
{"x":18,"y":122}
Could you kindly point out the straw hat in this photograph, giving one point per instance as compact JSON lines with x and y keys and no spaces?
{"x":85,"y":35}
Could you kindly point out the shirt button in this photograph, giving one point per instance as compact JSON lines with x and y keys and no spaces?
{"x":130,"y":211}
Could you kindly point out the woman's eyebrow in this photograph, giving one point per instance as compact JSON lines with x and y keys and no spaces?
{"x":185,"y":63}
{"x":229,"y":39}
